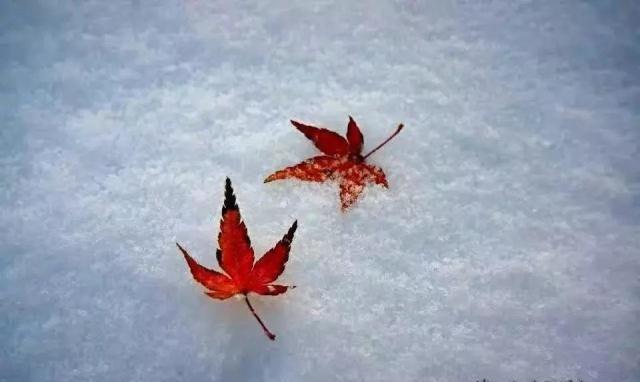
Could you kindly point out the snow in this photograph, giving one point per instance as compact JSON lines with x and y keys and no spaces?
{"x":507,"y":247}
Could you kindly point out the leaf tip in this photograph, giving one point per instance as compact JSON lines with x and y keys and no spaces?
{"x":229,"y":197}
{"x":288,"y":237}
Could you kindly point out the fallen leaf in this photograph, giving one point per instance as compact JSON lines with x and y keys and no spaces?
{"x":236,"y":259}
{"x":342,"y":161}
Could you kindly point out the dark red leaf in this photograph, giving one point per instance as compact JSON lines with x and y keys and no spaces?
{"x":325,"y":140}
{"x":316,"y":169}
{"x":343,"y":162}
{"x":354,"y":136}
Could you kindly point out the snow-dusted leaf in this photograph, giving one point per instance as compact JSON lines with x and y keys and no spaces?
{"x":343,"y":161}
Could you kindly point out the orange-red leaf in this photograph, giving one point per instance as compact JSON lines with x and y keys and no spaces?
{"x":220,"y":285}
{"x":272,"y":290}
{"x":271,"y":265}
{"x":219,"y":295}
{"x":235,"y":257}
{"x":325,"y":140}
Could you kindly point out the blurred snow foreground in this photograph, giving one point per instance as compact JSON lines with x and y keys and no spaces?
{"x":507,"y":246}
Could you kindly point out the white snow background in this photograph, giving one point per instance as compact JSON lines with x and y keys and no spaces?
{"x":507,"y":247}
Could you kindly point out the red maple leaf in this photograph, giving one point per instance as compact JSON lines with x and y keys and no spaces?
{"x":235,"y":256}
{"x":343,"y":161}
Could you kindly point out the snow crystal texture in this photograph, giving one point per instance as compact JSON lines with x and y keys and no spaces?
{"x":507,"y":247}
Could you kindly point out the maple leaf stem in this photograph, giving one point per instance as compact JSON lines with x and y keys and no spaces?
{"x":266,"y":331}
{"x":400,"y":126}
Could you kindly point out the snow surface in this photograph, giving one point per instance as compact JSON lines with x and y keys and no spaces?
{"x":507,"y":248}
